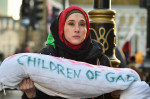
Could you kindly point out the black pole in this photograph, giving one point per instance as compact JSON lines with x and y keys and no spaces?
{"x":148,"y":34}
{"x":64,"y":4}
{"x":102,"y":4}
{"x":146,"y":61}
{"x":27,"y":34}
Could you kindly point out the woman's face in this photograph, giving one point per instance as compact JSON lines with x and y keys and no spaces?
{"x":75,"y":29}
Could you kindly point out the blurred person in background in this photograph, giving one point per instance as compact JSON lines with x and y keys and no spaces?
{"x":127,"y":51}
{"x":26,"y":48}
{"x":120,"y":56}
{"x":18,"y":50}
{"x":132,"y":64}
{"x":139,"y":59}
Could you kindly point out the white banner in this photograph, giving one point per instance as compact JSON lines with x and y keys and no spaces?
{"x":68,"y":78}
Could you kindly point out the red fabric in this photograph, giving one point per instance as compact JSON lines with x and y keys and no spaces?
{"x":27,"y":51}
{"x":62,"y":23}
{"x":127,"y":47}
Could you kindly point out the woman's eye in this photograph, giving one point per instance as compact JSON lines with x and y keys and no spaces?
{"x":82,"y":24}
{"x":71,"y":24}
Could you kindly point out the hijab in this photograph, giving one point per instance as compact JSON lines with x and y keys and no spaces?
{"x":62,"y":19}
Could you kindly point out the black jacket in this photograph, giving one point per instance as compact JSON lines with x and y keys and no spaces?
{"x":91,"y":57}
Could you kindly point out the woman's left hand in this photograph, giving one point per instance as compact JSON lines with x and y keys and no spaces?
{"x":116,"y":94}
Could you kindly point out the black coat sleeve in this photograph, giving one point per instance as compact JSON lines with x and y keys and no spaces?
{"x":120,"y":55}
{"x":105,"y":61}
{"x":45,"y":50}
{"x":49,"y":50}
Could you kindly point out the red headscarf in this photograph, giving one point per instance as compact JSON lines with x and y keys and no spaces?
{"x":62,"y":23}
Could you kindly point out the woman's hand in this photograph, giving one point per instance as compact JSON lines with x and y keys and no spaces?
{"x":116,"y":94}
{"x":27,"y":86}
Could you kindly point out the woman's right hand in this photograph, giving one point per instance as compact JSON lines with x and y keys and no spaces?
{"x":27,"y":86}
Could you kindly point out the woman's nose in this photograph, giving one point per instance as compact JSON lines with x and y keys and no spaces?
{"x":77,"y":28}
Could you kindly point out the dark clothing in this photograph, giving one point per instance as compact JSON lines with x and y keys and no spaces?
{"x":41,"y":95}
{"x":120,"y":55}
{"x":91,"y":58}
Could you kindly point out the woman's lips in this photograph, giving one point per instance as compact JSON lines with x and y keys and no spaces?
{"x":76,"y":37}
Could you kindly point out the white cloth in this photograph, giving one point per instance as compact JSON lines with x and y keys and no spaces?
{"x":137,"y":90}
{"x":71,"y":79}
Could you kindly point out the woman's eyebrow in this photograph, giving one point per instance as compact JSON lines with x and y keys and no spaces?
{"x":70,"y":20}
{"x":83,"y":20}
{"x":74,"y":20}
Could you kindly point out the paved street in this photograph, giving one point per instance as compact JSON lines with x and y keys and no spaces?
{"x":11,"y":94}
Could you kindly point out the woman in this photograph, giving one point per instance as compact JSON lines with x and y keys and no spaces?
{"x":72,"y":41}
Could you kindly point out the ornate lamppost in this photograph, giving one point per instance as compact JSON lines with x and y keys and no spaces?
{"x":103,"y":28}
